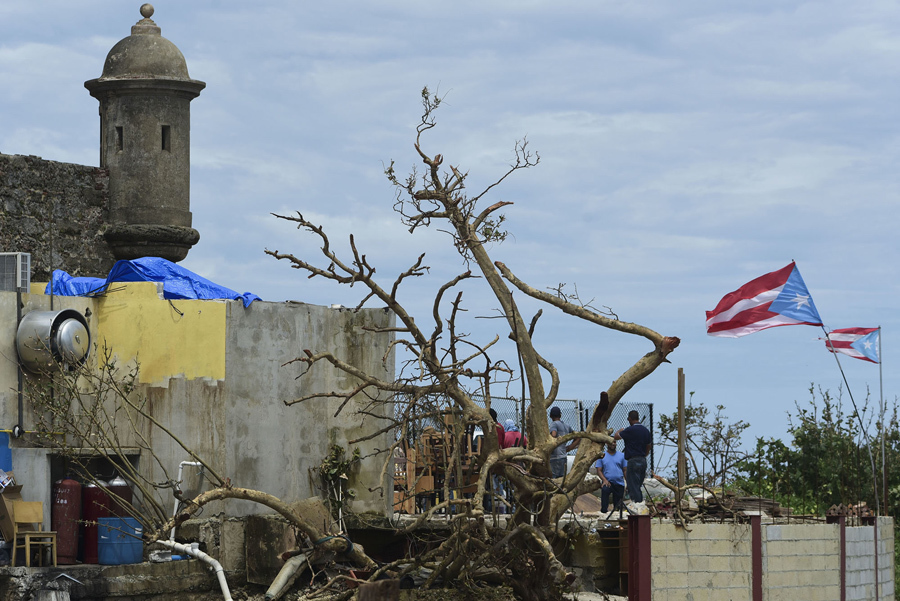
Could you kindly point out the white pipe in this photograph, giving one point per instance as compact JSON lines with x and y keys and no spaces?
{"x":286,"y":576}
{"x":340,"y":496}
{"x":178,"y":483}
{"x":215,"y":565}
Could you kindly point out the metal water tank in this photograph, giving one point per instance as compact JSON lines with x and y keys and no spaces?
{"x":64,"y":516}
{"x":118,"y":486}
{"x":94,"y":505}
{"x":48,"y":337}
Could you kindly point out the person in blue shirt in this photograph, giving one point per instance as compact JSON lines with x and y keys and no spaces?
{"x":612,"y":469}
{"x":637,"y":445}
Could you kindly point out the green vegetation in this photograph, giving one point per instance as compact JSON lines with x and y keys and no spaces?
{"x":826,"y":462}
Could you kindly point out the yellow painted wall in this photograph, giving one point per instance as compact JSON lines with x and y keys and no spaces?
{"x":138,"y":324}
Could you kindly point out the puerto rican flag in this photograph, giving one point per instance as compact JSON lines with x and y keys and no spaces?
{"x":776,"y":299}
{"x":859,"y":343}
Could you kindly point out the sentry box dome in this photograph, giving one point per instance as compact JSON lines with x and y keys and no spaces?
{"x":45,"y":338}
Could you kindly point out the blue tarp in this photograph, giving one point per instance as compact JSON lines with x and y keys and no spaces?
{"x":178,"y":282}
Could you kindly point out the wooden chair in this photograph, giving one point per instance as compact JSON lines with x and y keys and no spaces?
{"x":28,"y":522}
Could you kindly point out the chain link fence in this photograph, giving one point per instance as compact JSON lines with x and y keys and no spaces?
{"x":575,"y":413}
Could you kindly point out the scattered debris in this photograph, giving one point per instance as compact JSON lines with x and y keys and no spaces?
{"x":861,"y":510}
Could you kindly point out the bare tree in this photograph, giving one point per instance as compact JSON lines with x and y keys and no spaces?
{"x":446,"y":364}
{"x":445,"y":371}
{"x":714,"y":440}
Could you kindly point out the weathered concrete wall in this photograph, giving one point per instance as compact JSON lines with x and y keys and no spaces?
{"x":213,"y":372}
{"x":801,"y":561}
{"x":139,"y":326}
{"x":30,"y":464}
{"x":181,"y":338}
{"x":596,"y":552}
{"x":709,"y":563}
{"x":270,"y":443}
{"x":46,"y":204}
{"x":861,"y":561}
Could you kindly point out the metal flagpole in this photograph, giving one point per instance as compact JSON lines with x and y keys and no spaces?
{"x":881,"y":395}
{"x":883,"y":471}
{"x":862,"y":426}
{"x":868,"y":445}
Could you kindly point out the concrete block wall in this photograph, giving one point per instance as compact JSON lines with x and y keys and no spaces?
{"x":711,"y":562}
{"x":801,"y":562}
{"x":763,"y":562}
{"x":860,"y":561}
{"x":886,"y":559}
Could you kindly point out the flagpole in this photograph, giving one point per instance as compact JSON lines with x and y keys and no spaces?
{"x":881,"y":396}
{"x":883,"y":468}
{"x":862,"y":426}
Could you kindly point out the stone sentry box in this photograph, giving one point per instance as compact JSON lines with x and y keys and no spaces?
{"x":145,"y":93}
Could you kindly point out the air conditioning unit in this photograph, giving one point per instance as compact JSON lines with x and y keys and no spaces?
{"x":15,"y":272}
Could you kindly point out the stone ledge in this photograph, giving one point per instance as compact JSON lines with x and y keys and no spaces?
{"x":132,"y":581}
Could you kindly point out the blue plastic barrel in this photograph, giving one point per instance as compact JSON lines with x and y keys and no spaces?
{"x":119,"y":541}
{"x":5,"y":453}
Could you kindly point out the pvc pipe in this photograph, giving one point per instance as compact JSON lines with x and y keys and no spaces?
{"x":291,"y":567}
{"x":215,"y":565}
{"x":177,"y":483}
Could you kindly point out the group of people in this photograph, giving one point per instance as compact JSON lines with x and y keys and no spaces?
{"x":627,"y":469}
{"x":617,"y":471}
{"x":508,"y":434}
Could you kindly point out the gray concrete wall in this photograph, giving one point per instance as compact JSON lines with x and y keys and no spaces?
{"x":194,"y":411}
{"x":31,"y":465}
{"x":8,"y":356}
{"x":240,"y":425}
{"x":276,"y":445}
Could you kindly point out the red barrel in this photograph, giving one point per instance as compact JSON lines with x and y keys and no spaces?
{"x":118,"y":487}
{"x":94,"y":505}
{"x":64,"y":516}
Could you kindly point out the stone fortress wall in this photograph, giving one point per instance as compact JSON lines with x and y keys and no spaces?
{"x":56,"y":212}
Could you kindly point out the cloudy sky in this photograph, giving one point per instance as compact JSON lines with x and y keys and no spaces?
{"x":686,"y":148}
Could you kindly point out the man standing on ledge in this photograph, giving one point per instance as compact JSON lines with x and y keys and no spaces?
{"x":612,"y":471}
{"x":637,"y":444}
{"x":558,"y":461}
